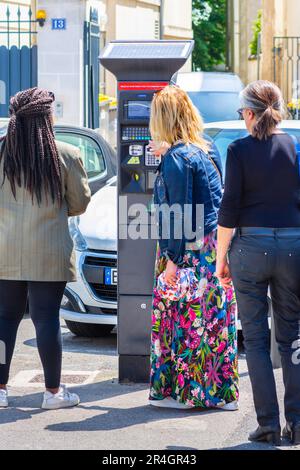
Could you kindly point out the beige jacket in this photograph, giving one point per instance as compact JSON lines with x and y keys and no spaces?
{"x":35,"y":244}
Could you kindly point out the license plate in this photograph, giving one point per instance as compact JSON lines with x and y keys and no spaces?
{"x":111,"y":276}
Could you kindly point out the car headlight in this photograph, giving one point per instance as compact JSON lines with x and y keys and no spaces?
{"x":77,"y":237}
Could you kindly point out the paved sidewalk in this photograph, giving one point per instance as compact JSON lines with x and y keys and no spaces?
{"x":111,"y":416}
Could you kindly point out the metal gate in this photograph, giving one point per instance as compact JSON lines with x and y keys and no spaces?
{"x":286,"y":60}
{"x":18,"y":54}
{"x":91,"y":70}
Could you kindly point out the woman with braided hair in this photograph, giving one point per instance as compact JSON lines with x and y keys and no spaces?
{"x":42,"y":182}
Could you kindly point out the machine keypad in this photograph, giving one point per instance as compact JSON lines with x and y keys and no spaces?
{"x":135,"y":134}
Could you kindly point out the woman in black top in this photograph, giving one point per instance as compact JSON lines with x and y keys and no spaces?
{"x":262,"y":202}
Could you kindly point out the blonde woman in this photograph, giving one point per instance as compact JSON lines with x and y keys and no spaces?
{"x":193,"y":344}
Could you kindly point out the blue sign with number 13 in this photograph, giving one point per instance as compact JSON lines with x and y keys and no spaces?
{"x":59,"y":23}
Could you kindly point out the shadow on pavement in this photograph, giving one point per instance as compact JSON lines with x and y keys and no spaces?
{"x":112,"y":418}
{"x":250,"y":446}
{"x":106,"y":346}
{"x":109,"y":418}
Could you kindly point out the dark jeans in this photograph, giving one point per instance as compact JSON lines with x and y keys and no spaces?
{"x":257,"y":262}
{"x":44,"y":303}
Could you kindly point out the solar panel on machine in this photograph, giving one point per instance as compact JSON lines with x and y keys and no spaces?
{"x":145,"y":50}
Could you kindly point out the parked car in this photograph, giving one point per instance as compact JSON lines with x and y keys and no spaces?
{"x":215,"y":94}
{"x":223,"y":133}
{"x":89,"y":305}
{"x":98,"y":156}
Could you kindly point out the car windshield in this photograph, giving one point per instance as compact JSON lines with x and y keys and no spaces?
{"x":216,"y":106}
{"x":224,"y":137}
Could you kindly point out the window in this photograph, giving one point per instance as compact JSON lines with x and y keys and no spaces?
{"x":224,"y":137}
{"x":91,"y":153}
{"x":216,"y":106}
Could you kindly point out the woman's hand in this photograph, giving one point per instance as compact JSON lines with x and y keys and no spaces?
{"x":222,"y":268}
{"x":159,"y":148}
{"x":223,"y":273}
{"x":171,"y":273}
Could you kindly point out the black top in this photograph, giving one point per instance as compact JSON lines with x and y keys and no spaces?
{"x":262,"y":184}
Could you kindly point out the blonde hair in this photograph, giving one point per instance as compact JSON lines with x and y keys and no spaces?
{"x":174,"y":118}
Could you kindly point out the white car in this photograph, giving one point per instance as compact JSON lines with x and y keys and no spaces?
{"x":89,"y":305}
{"x":215,"y":94}
{"x":225,"y":132}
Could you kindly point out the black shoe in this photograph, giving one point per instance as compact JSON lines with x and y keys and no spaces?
{"x":266,"y":434}
{"x":292,"y":433}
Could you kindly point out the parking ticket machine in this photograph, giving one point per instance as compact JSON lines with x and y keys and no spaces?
{"x":142,"y":68}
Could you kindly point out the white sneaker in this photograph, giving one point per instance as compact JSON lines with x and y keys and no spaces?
{"x":62,"y":399}
{"x":3,"y":398}
{"x":233,"y":406}
{"x":169,"y":402}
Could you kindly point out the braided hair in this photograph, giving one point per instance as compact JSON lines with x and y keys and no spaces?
{"x":29,"y":152}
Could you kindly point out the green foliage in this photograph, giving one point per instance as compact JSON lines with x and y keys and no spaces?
{"x":256,"y":32}
{"x":209,"y":25}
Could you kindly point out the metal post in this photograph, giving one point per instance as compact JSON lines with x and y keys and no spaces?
{"x":92,"y":93}
{"x":8,"y":48}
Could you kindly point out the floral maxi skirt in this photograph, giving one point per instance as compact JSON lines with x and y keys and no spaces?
{"x":194,"y":344}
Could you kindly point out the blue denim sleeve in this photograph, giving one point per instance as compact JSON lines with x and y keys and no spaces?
{"x":178,"y":178}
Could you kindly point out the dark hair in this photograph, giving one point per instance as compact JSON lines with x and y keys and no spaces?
{"x":28,"y":150}
{"x":264,"y":98}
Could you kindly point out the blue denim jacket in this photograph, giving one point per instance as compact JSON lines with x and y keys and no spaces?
{"x":187,"y":176}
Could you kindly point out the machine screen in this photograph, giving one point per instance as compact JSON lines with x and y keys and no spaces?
{"x":138,"y":109}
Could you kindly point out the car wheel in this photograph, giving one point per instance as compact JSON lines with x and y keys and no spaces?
{"x":89,"y":330}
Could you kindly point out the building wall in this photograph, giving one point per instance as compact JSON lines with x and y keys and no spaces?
{"x":287,"y":67}
{"x":291,"y":13}
{"x":177,"y":23}
{"x":280,"y":18}
{"x":136,"y":19}
{"x":130,"y":19}
{"x":60,"y":57}
{"x":60,"y":53}
{"x":178,"y":19}
{"x":243,"y":14}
